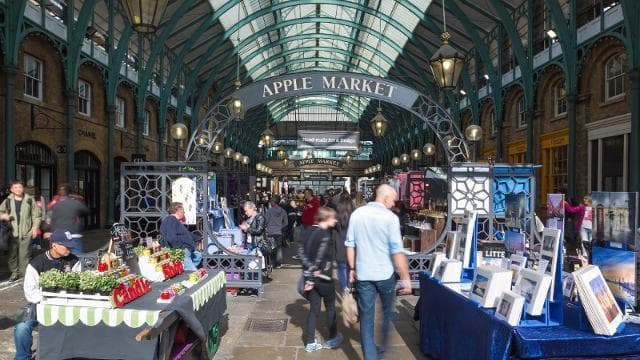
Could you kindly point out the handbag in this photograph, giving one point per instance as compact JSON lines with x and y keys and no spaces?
{"x":349,"y":307}
{"x":26,"y":313}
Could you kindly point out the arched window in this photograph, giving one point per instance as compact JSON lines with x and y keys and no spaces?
{"x":614,"y":71}
{"x":522,"y":116}
{"x":36,"y":167}
{"x":560,"y":99}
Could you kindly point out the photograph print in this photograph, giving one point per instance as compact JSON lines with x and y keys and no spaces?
{"x":480,"y":285}
{"x":514,"y":241}
{"x":615,"y":217}
{"x":515,"y":209}
{"x":527,"y":288}
{"x":618,"y":268}
{"x":604,"y":297}
{"x":504,"y":307}
{"x":555,"y":206}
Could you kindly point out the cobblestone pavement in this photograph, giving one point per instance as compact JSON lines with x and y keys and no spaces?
{"x":279,"y":301}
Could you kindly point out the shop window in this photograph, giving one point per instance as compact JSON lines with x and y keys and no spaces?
{"x":554,"y":164}
{"x":120,"y":112}
{"x":560,"y":99}
{"x":614,"y":75}
{"x":84,"y":98}
{"x":145,"y":125}
{"x":87,"y":183}
{"x":609,"y":146}
{"x":32,"y":77}
{"x":522,"y":115}
{"x":517,"y":152}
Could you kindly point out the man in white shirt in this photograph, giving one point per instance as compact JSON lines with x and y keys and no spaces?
{"x":57,"y":257}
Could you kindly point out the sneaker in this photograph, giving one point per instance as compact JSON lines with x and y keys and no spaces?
{"x":311,"y":347}
{"x":334,"y":343}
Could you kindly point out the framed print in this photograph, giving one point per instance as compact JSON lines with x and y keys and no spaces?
{"x":488,"y":285}
{"x":514,"y":241}
{"x":514,"y":214}
{"x":549,"y":252}
{"x":518,"y":263}
{"x":435,"y":263}
{"x":602,"y":310}
{"x":618,"y":267}
{"x":510,"y":307}
{"x":452,"y":245}
{"x":467,"y":228}
{"x":449,"y":271}
{"x":534,"y":287}
{"x":568,"y":286}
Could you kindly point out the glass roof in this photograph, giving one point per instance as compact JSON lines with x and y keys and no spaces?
{"x":347,"y":37}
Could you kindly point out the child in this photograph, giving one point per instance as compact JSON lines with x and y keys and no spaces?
{"x":317,"y":262}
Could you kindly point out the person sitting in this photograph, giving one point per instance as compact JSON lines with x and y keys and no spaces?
{"x":57,"y":257}
{"x":175,"y":235}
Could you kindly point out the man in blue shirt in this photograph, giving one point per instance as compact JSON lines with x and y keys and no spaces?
{"x":176,"y":236}
{"x":374,"y":246}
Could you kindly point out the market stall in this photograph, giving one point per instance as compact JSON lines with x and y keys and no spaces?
{"x":74,"y":331}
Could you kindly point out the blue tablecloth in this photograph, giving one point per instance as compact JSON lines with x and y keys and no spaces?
{"x":453,"y":327}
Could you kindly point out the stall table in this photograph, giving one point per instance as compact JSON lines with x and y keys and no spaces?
{"x":85,"y":332}
{"x":453,"y":327}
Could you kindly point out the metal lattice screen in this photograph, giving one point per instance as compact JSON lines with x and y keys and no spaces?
{"x":146,"y":194}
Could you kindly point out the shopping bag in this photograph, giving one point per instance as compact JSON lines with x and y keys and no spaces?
{"x":349,"y":307}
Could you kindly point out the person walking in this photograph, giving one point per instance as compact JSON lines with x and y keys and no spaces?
{"x":175,"y":235}
{"x":374,"y":246}
{"x":317,"y":264}
{"x":20,"y":209}
{"x":345,"y":208}
{"x":60,"y":257}
{"x":276,"y":222}
{"x":66,"y":213}
{"x":309,"y":209}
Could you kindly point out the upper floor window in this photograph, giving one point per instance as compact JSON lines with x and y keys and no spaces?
{"x":84,"y":98}
{"x":145,"y":125}
{"x":120,"y":111}
{"x":522,"y":118}
{"x":614,"y":77}
{"x":32,"y":77}
{"x":560,"y":99}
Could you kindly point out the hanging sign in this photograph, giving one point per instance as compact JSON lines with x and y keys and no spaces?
{"x":328,"y":140}
{"x":326,"y":162}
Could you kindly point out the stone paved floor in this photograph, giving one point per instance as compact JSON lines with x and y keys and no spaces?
{"x":279,"y":301}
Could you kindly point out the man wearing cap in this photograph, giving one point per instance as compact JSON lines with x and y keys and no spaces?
{"x":57,"y":257}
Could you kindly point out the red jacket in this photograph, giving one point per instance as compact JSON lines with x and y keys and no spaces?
{"x":579,"y":209}
{"x":309,"y":211}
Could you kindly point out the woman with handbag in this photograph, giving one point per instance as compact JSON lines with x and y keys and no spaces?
{"x":317,"y":265}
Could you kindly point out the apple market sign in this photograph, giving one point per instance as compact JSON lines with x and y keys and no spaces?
{"x":326,"y":82}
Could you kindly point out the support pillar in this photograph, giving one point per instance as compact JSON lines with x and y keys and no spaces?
{"x":11,"y":73}
{"x":572,"y":100}
{"x":634,"y":153}
{"x":72,"y":96}
{"x":161,"y":144}
{"x":530,"y":141}
{"x":111,"y":118}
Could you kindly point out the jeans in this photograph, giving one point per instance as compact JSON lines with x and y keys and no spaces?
{"x":276,"y":254}
{"x":366,"y":308}
{"x":192,"y":260}
{"x":585,"y":234}
{"x":343,"y":274}
{"x":23,"y":338}
{"x":321,"y":290}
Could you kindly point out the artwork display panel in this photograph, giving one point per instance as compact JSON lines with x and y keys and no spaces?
{"x":549,"y":252}
{"x":534,"y":287}
{"x":488,"y":284}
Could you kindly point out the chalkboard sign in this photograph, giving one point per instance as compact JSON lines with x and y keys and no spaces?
{"x":122,"y":242}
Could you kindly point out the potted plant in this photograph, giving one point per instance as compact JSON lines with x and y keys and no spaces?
{"x":139,"y":250}
{"x":106,"y":284}
{"x":51,"y":280}
{"x":176,"y":254}
{"x":88,"y":282}
{"x":71,"y":282}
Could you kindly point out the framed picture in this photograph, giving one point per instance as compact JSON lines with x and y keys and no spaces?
{"x":534,"y":287}
{"x":518,"y":263}
{"x":435,"y":263}
{"x":488,"y":285}
{"x":514,"y":213}
{"x":568,"y":286}
{"x":449,"y":271}
{"x":601,"y":307}
{"x":542,"y":265}
{"x":549,"y":252}
{"x":510,"y":307}
{"x":618,"y":267}
{"x":452,"y":245}
{"x":555,"y":206}
{"x":467,"y":228}
{"x":615,"y":217}
{"x":514,"y":241}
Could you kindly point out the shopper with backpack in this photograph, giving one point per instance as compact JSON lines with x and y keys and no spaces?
{"x":21,"y":211}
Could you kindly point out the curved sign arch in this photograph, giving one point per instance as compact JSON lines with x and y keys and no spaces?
{"x":330,"y":82}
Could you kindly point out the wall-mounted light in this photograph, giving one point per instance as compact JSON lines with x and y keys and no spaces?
{"x":462,"y":92}
{"x":552,"y":34}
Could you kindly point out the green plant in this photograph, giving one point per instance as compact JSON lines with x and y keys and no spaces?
{"x":88,"y":282}
{"x":139,"y":250}
{"x":51,"y":279}
{"x":70,"y":280}
{"x":105,"y":284}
